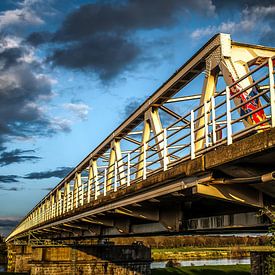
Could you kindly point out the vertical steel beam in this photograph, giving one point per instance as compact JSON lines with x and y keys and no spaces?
{"x":111,"y":168}
{"x":120,"y":164}
{"x":78,"y":196}
{"x":145,"y":138}
{"x":151,"y":122}
{"x":208,"y":90}
{"x":93,"y":180}
{"x":272,"y":91}
{"x":115,"y":157}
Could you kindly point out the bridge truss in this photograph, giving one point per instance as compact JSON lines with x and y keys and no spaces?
{"x":108,"y":193}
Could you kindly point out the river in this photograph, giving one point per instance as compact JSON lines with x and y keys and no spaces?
{"x":3,"y":268}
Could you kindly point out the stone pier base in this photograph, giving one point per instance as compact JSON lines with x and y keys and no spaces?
{"x":81,"y":259}
{"x":262,"y":263}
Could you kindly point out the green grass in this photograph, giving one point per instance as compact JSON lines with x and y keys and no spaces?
{"x":204,"y":270}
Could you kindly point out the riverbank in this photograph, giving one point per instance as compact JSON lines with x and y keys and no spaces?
{"x":187,"y":253}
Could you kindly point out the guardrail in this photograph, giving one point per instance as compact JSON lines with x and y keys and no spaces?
{"x":225,"y":117}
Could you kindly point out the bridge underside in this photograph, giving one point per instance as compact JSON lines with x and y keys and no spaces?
{"x":191,"y":198}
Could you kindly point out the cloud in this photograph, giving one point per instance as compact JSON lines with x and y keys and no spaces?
{"x":79,"y":109}
{"x":131,"y":105}
{"x":8,"y":223}
{"x":102,"y":37}
{"x":47,"y":188}
{"x":8,"y":178}
{"x":240,"y":4}
{"x":105,"y":55}
{"x":17,"y":156}
{"x":23,"y":92}
{"x":254,"y":19}
{"x":26,"y":14}
{"x":107,"y":17}
{"x":60,"y":172}
{"x":10,"y":188}
{"x":37,"y":38}
{"x":17,"y":17}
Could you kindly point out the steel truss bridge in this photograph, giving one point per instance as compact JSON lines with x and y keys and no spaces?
{"x":182,"y":162}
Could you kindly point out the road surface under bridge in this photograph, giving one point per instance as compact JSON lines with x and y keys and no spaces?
{"x":183,"y":162}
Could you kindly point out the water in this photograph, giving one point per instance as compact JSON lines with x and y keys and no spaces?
{"x":204,"y":262}
{"x":2,"y":268}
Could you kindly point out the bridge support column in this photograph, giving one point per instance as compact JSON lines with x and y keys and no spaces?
{"x":80,"y":259}
{"x":19,"y":257}
{"x":262,"y":263}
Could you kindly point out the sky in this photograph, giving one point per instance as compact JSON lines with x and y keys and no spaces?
{"x":72,"y":71}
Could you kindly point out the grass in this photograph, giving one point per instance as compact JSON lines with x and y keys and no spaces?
{"x":184,"y":253}
{"x":204,"y":270}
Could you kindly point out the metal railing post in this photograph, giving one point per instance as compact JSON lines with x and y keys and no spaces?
{"x":72,"y":200}
{"x":214,"y":136}
{"x":165,"y":160}
{"x":89,"y":189}
{"x":144,"y":161}
{"x":272,"y":91}
{"x":228,"y":116}
{"x":128,"y":169}
{"x":105,"y":182}
{"x":192,"y":135}
{"x":115,"y":179}
{"x":206,"y":123}
{"x":96,"y":188}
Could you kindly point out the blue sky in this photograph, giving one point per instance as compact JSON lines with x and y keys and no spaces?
{"x":72,"y":71}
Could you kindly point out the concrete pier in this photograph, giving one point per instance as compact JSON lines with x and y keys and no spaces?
{"x":262,"y":263}
{"x":80,"y":259}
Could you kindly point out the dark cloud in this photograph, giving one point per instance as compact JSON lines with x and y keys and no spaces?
{"x":10,"y":188}
{"x":131,"y":105}
{"x":240,"y":4}
{"x":60,"y":172}
{"x":101,"y":36}
{"x":102,"y":17}
{"x":8,"y":178}
{"x":47,"y":188}
{"x":7,"y":224}
{"x":90,"y":55}
{"x":23,"y":90}
{"x":37,"y":38}
{"x":9,"y":57}
{"x":268,"y":37}
{"x":17,"y":156}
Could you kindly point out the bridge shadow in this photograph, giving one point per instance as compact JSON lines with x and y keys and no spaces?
{"x":94,"y":259}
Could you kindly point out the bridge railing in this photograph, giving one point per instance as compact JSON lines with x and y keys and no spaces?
{"x":229,"y":115}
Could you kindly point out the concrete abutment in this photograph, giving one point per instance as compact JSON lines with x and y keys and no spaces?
{"x":80,"y":259}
